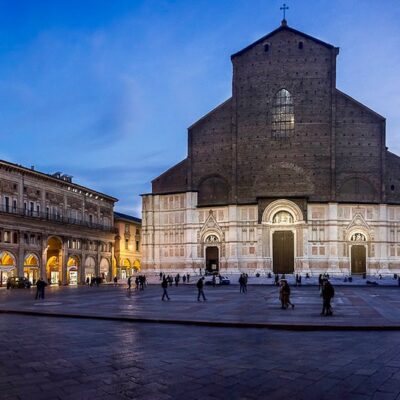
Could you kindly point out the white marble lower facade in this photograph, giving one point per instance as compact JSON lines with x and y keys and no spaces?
{"x":334,"y":238}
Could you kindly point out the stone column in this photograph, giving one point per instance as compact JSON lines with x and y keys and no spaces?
{"x":64,"y":261}
{"x":332,"y":238}
{"x":44,"y":260}
{"x":21,"y":258}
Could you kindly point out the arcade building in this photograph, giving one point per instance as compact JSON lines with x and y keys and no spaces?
{"x":288,"y":175}
{"x":53,"y":228}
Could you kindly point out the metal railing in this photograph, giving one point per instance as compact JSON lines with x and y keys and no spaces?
{"x":53,"y":217}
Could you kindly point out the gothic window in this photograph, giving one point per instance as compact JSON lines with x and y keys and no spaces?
{"x":282,"y":115}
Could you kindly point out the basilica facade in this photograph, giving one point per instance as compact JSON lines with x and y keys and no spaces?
{"x":289,"y":175}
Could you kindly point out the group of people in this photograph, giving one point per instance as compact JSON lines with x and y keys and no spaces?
{"x":327,"y":291}
{"x":140,"y":282}
{"x":94,"y":281}
{"x":40,"y":286}
{"x":199,"y":285}
{"x":170,"y":279}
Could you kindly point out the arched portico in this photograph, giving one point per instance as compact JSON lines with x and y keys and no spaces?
{"x":32,"y":267}
{"x":105,"y":269}
{"x":73,"y":267}
{"x":8,"y":266}
{"x":54,"y":260}
{"x":90,"y":267}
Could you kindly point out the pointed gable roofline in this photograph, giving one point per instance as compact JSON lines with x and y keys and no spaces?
{"x":283,"y":27}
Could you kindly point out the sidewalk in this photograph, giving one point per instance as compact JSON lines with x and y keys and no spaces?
{"x":354,"y":307}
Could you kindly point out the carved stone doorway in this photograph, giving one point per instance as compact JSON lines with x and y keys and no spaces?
{"x":358,"y":259}
{"x":283,"y":252}
{"x":212,"y":259}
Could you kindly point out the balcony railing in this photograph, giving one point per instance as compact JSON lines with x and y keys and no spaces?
{"x":52,"y":217}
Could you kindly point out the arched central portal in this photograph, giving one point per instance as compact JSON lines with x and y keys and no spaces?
{"x":53,"y":264}
{"x":212,"y":259}
{"x":283,"y":252}
{"x":358,"y":259}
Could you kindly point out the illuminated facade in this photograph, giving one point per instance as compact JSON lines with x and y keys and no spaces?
{"x":289,"y":175}
{"x":127,"y":245}
{"x":52,"y":227}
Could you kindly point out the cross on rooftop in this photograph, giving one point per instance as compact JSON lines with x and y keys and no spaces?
{"x":284,"y":8}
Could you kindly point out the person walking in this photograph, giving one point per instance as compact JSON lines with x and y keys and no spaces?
{"x":177,"y":280}
{"x":115,"y":280}
{"x":245,"y":279}
{"x":200,"y":286}
{"x":129,"y":283}
{"x":328,"y":292}
{"x":187,"y":278}
{"x":161,"y":275}
{"x":184,"y":278}
{"x":286,"y":295}
{"x":164,"y":285}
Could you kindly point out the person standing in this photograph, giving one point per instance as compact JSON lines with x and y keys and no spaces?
{"x":187,"y":277}
{"x":161,"y":275}
{"x":327,"y":294}
{"x":241,"y":284}
{"x":177,"y":280}
{"x":40,"y":285}
{"x":129,"y":283}
{"x":115,"y":280}
{"x":200,"y":286}
{"x":164,"y":285}
{"x":38,"y":288}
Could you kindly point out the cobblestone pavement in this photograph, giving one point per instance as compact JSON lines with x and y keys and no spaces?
{"x":353,"y":306}
{"x":58,"y":358}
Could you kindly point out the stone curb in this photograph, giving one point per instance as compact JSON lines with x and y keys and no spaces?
{"x":215,"y":324}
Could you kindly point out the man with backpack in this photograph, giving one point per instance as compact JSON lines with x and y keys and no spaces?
{"x":200,"y":286}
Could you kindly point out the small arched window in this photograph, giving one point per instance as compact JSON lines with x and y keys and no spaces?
{"x":282,"y":115}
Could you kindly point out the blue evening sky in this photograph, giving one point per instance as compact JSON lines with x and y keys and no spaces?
{"x":104,"y":90}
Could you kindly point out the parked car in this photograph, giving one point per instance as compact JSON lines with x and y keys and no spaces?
{"x":18,"y":283}
{"x":219,"y":280}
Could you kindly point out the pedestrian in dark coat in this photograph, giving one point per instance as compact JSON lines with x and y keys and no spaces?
{"x":200,"y":286}
{"x":164,"y":285}
{"x":129,"y":283}
{"x":241,"y":284}
{"x":327,"y":294}
{"x":40,"y":285}
{"x":286,"y":295}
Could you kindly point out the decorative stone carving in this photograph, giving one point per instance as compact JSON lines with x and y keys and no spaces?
{"x":54,"y":198}
{"x":358,"y":237}
{"x":8,"y":187}
{"x":212,"y":239}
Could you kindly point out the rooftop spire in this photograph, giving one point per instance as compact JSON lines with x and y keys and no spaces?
{"x":284,"y":8}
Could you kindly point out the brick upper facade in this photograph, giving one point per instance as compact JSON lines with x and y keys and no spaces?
{"x":336,"y":151}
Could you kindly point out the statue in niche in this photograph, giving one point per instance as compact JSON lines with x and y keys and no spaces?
{"x":211,"y":239}
{"x":283,"y":217}
{"x":358,"y":237}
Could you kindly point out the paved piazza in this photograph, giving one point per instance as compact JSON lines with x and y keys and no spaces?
{"x":44,"y":357}
{"x":353,"y":305}
{"x":62,"y":358}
